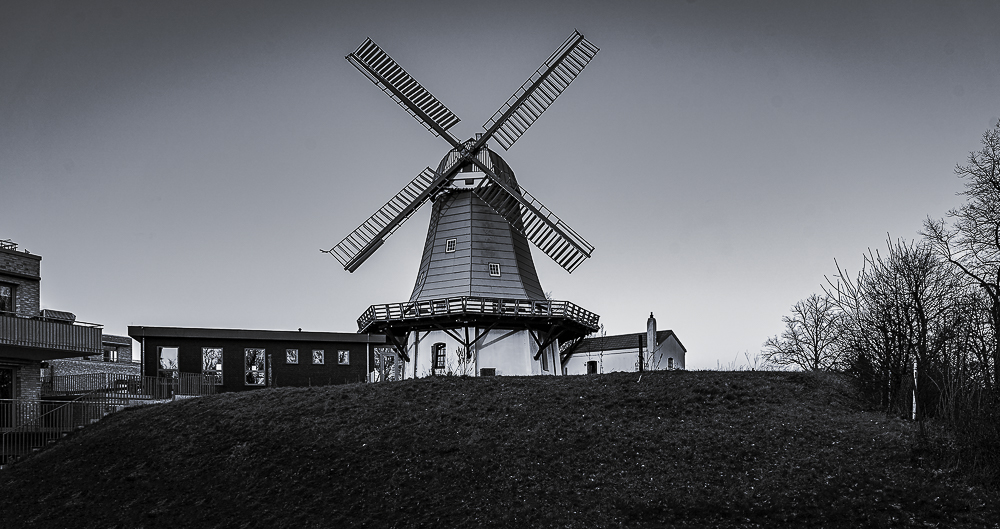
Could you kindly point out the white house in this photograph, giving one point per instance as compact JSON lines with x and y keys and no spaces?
{"x":621,"y":352}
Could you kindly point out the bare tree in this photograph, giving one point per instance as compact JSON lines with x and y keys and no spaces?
{"x":972,"y":242}
{"x":898,"y":313}
{"x":812,"y":336}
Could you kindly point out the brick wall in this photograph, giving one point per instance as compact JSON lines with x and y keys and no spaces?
{"x":72,"y":366}
{"x":19,"y":264}
{"x":27,"y":380}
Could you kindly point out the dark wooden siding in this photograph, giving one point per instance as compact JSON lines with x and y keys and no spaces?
{"x":189,"y":359}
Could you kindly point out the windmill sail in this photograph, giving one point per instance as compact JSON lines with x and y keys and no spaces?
{"x":540,"y":90}
{"x":363,"y":241}
{"x":536,"y":222}
{"x":402,"y":88}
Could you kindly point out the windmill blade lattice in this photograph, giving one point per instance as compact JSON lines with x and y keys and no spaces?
{"x":537,"y":223}
{"x":402,"y":88}
{"x":369,"y":236}
{"x":540,"y":90}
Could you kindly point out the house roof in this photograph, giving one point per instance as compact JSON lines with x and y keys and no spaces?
{"x":138,"y":332}
{"x":622,"y":341}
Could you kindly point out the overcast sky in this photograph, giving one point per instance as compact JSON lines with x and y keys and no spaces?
{"x":182,"y":163}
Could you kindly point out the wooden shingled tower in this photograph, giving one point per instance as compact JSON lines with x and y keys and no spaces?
{"x":477,"y":306}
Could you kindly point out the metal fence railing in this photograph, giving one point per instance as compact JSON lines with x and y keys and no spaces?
{"x":26,"y":425}
{"x":129,"y":387}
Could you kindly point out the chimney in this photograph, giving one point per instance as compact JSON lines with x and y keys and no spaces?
{"x":651,"y":335}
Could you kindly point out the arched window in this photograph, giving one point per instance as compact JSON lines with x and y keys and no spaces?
{"x":440,"y":353}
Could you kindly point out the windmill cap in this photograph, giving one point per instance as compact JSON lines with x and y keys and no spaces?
{"x":485,"y":156}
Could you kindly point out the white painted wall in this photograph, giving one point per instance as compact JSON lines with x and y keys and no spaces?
{"x":510,"y":352}
{"x":626,"y":359}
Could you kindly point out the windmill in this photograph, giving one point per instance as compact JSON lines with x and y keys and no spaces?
{"x":476,"y":271}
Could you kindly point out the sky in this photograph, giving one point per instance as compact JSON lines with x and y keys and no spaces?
{"x":182,"y":163}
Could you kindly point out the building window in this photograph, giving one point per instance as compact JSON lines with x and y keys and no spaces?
{"x":495,"y":269}
{"x":670,"y":363}
{"x":318,"y":356}
{"x":591,"y":367}
{"x":450,"y":244}
{"x":7,"y":298}
{"x":167,"y":365}
{"x":440,"y":354}
{"x":110,"y":354}
{"x":291,"y":356}
{"x":344,"y":357}
{"x":253,"y":363}
{"x":211,"y":364}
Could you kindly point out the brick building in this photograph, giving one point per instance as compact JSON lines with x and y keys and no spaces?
{"x":30,"y":335}
{"x":115,"y":358}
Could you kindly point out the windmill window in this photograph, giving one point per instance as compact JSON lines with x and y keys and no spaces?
{"x":319,"y":356}
{"x":440,"y":353}
{"x":211,"y":364}
{"x":253,"y":362}
{"x":343,"y":358}
{"x":495,"y":269}
{"x":450,"y":244}
{"x":670,"y":363}
{"x":291,"y":356}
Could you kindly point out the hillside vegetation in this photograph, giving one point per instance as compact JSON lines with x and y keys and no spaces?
{"x":740,"y":449}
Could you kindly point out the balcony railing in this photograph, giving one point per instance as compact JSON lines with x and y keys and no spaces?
{"x":477,"y":306}
{"x":82,"y":338}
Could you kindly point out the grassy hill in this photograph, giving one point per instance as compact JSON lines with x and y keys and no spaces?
{"x":695,"y":449}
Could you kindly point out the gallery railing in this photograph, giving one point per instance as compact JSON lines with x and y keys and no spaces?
{"x":476,"y":305}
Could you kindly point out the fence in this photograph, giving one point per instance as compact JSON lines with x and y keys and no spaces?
{"x":72,"y":401}
{"x":130,"y":387}
{"x":28,"y":425}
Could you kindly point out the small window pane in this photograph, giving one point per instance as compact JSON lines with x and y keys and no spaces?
{"x":254,"y":366}
{"x":211,"y":364}
{"x":168,"y":358}
{"x":6,"y":298}
{"x":495,"y":269}
{"x":449,"y":245}
{"x":318,"y":356}
{"x":343,"y":357}
{"x":291,"y":356}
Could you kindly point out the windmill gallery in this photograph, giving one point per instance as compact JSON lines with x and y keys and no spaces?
{"x":477,"y":306}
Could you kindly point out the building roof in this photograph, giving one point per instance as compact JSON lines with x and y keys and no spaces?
{"x":115,"y":339}
{"x":139,"y":332}
{"x":622,"y":341}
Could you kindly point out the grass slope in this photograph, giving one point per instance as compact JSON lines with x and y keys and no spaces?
{"x":670,"y":449}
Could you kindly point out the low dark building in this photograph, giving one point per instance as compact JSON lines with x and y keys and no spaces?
{"x":241,"y":359}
